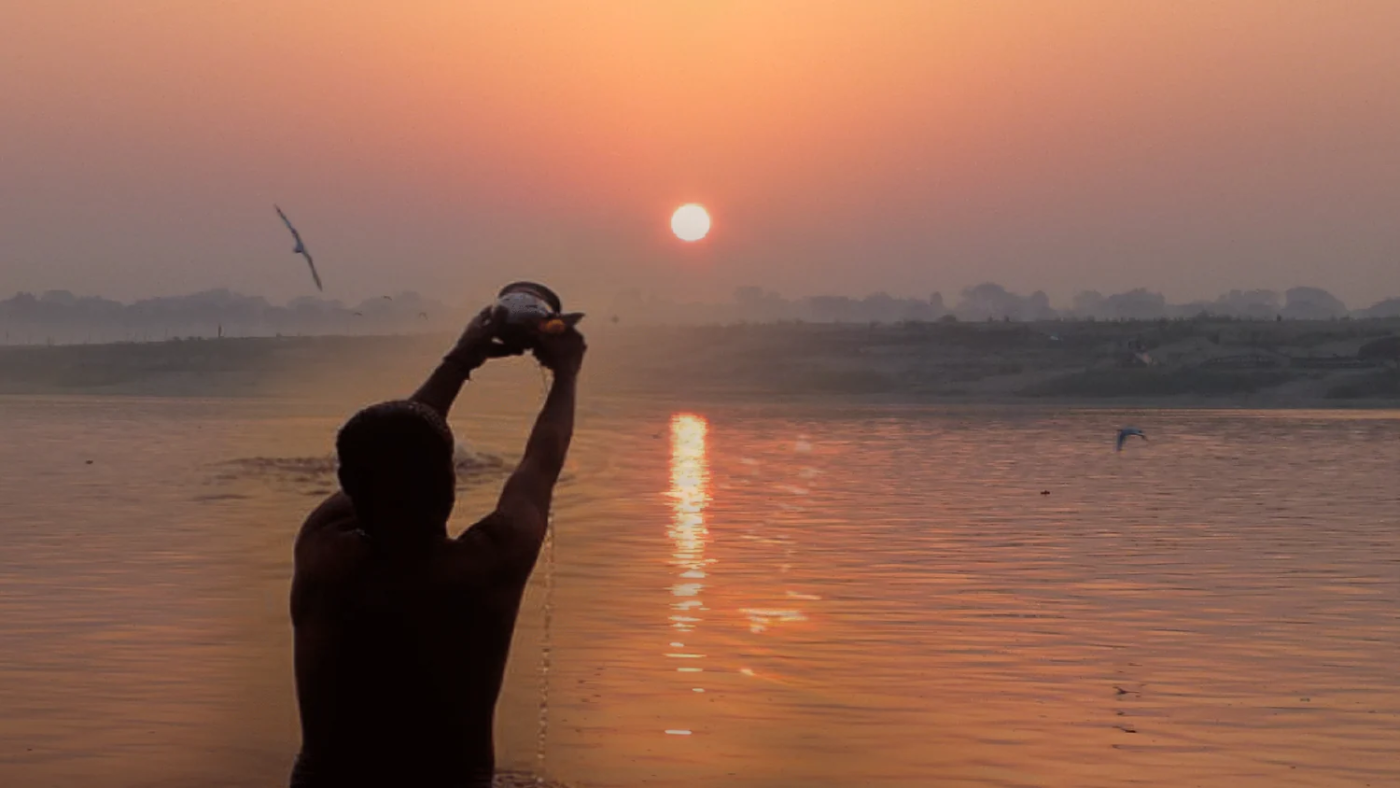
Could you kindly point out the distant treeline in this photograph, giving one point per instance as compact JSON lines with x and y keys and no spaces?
{"x":60,"y":317}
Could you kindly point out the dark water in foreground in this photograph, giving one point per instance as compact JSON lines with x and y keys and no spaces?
{"x":748,"y":596}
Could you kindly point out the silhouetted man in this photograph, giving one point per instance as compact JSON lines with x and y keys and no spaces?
{"x":402,"y":632}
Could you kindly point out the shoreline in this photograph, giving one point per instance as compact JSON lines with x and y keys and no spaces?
{"x":1260,"y":366}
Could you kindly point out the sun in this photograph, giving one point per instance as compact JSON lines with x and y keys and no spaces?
{"x":690,"y":222}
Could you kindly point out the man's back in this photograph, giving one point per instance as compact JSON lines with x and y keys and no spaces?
{"x":399,"y":662}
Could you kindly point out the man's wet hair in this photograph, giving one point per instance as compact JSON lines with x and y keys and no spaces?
{"x":402,"y":445}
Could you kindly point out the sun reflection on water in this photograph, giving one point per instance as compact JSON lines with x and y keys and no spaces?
{"x":690,"y":495}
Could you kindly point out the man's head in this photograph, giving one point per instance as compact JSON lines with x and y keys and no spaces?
{"x":396,"y":465}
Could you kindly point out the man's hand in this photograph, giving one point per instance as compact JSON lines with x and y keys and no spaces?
{"x":480,"y":340}
{"x":561,"y":353}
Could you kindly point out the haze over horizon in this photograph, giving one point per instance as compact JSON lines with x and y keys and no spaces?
{"x":841,"y":147}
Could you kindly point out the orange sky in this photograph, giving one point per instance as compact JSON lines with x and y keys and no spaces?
{"x":841,"y":146}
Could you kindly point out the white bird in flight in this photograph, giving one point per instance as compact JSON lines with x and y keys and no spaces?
{"x":300,"y":249}
{"x":1127,"y":432}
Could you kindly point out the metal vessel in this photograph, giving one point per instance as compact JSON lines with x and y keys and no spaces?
{"x":531,"y":309}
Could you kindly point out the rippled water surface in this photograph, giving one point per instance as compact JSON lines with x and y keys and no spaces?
{"x":747,"y":596}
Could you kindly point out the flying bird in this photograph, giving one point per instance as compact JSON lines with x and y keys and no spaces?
{"x":1128,"y":432}
{"x":300,"y":249}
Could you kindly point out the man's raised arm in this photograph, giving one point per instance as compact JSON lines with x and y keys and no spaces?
{"x":517,"y":527}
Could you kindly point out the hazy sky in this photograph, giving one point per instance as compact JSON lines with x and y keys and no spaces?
{"x":449,"y":146}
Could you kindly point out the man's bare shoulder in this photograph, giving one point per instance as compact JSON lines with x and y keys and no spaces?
{"x":496,"y":550}
{"x":329,"y":541}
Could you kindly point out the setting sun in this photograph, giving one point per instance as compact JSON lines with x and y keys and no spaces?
{"x":690,"y":222}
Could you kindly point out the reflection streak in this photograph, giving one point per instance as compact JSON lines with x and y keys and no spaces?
{"x":690,"y":495}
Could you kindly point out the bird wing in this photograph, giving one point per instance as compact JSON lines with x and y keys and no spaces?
{"x":288,"y":222}
{"x":315,"y":277}
{"x":1122,"y":436}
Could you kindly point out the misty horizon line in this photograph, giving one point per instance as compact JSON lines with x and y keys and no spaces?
{"x":986,"y":291}
{"x":986,"y":300}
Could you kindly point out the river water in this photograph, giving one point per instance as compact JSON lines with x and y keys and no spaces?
{"x":746,"y":595}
